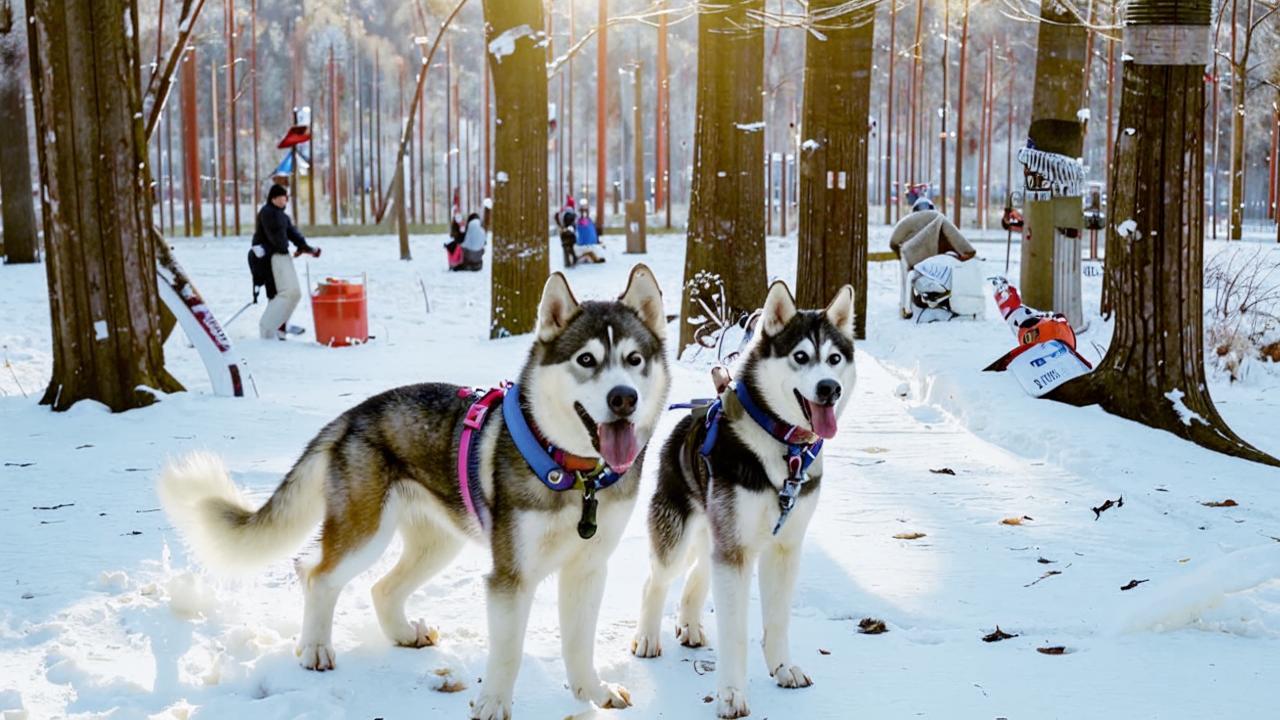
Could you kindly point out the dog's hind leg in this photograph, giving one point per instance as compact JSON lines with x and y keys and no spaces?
{"x":349,"y":545}
{"x":689,"y":628}
{"x":779,"y":565}
{"x":581,"y":589}
{"x":428,"y":548}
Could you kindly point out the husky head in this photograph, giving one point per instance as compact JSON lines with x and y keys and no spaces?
{"x":596,"y":380}
{"x":801,"y":366}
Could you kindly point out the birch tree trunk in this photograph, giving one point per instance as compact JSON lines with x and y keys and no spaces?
{"x":1153,"y":371}
{"x":19,"y":243}
{"x":833,"y":159}
{"x":101,"y":256}
{"x":726,"y":208}
{"x":1051,"y":244}
{"x":520,"y":208}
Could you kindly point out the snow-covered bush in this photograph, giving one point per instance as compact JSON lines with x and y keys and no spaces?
{"x":1242,"y":316}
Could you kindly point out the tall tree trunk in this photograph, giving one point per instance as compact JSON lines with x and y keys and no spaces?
{"x":1153,"y":371}
{"x":888,"y":126}
{"x":1051,"y":244}
{"x":833,"y":161}
{"x":960,"y":97}
{"x":101,"y":253}
{"x":19,"y":242}
{"x":602,"y":111}
{"x":518,"y":66}
{"x":726,"y":206}
{"x":1238,"y":92}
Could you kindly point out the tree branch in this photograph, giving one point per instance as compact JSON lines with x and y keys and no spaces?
{"x":157,"y":93}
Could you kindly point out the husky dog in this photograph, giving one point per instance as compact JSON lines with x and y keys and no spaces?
{"x":744,"y":495}
{"x":593,"y":386}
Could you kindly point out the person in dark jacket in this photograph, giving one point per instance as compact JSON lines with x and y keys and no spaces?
{"x":272,"y":233}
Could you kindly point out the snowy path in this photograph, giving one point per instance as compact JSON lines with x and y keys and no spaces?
{"x":118,"y":625}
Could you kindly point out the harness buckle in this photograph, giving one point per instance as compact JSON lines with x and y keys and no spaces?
{"x":476,"y":415}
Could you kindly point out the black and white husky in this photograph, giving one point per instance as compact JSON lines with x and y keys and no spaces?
{"x":738,"y":484}
{"x":530,"y":475}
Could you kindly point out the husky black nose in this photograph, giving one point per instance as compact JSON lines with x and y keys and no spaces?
{"x":622,"y":400}
{"x":828,"y":392}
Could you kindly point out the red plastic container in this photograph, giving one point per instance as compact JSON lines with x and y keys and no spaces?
{"x":341,"y":310}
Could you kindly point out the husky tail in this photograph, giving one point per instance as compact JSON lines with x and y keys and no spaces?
{"x":223,"y":530}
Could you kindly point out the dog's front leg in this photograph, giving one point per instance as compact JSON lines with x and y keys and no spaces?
{"x":508,"y":604}
{"x":779,"y":566}
{"x":731,"y":583}
{"x":581,"y":589}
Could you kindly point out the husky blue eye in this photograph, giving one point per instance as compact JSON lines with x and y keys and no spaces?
{"x":635,"y":359}
{"x":835,"y":359}
{"x":801,"y":357}
{"x":587,"y":360}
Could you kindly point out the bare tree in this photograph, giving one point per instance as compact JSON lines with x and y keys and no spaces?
{"x":1243,"y":31}
{"x":520,"y":208}
{"x":833,"y":166}
{"x":1051,"y":245}
{"x":101,"y":253}
{"x":726,"y":209}
{"x":19,"y":242}
{"x":1153,"y":371}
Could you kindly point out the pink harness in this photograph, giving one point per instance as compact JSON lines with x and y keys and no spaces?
{"x":468,"y":471}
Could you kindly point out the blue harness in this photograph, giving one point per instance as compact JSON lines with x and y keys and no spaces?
{"x":802,"y":447}
{"x":556,"y":468}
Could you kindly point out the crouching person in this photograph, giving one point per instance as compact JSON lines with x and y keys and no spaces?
{"x":272,"y":233}
{"x":473,"y":242}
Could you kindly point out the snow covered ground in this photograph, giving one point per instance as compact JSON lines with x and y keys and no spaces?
{"x":103,"y":615}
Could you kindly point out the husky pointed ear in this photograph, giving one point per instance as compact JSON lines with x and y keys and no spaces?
{"x":840,"y":311}
{"x":557,"y":308}
{"x":645,"y":297}
{"x":779,"y":308}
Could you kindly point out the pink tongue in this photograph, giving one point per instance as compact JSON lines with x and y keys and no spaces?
{"x":823,"y":418}
{"x":618,"y":444}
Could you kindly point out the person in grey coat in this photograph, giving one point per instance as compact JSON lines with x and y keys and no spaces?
{"x":473,"y":241}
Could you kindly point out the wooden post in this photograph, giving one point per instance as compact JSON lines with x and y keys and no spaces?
{"x":220,"y":217}
{"x":487,"y":172}
{"x":448,"y":129}
{"x":334,"y":129}
{"x":945,"y":110}
{"x":233,"y":135}
{"x":191,"y":145}
{"x":662,"y":139}
{"x":637,"y":213}
{"x":964,"y":54}
{"x":889,"y":127}
{"x":253,"y":98}
{"x":913,"y":124}
{"x":602,"y":112}
{"x":362,"y":176}
{"x":568,"y":114}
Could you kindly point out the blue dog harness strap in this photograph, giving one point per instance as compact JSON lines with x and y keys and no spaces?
{"x":803,"y":447}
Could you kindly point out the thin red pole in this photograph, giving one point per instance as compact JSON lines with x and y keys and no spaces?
{"x":602,"y":84}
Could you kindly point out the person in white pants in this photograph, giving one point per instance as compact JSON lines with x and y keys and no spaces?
{"x":272,"y":234}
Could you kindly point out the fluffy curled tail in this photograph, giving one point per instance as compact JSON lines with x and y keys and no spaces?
{"x":223,"y":530}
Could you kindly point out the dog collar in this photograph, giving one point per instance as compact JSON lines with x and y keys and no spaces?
{"x":557,"y":469}
{"x":782,"y":431}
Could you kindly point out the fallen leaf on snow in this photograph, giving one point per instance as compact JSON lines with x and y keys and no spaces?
{"x":1223,"y":503}
{"x":446,"y":681}
{"x":1097,"y":512}
{"x":1015,"y":520}
{"x":942,"y":471}
{"x":909,"y":536}
{"x":1133,"y":584}
{"x":874,"y":450}
{"x":1053,"y":650}
{"x":1045,"y":561}
{"x":872,"y":626}
{"x":708,"y":699}
{"x":823,"y":651}
{"x":998,"y":635}
{"x":1187,"y":560}
{"x":702,"y":667}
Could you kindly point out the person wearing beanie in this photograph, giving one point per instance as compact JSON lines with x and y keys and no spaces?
{"x":272,"y":233}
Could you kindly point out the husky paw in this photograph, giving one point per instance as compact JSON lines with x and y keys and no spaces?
{"x":733,"y":703}
{"x":490,"y":707}
{"x":644,"y":645}
{"x":418,"y":634}
{"x":317,"y":656}
{"x":691,"y":635}
{"x":605,"y":695}
{"x":791,"y":676}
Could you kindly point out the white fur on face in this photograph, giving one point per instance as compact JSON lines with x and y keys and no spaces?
{"x":556,"y":389}
{"x":779,"y":378}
